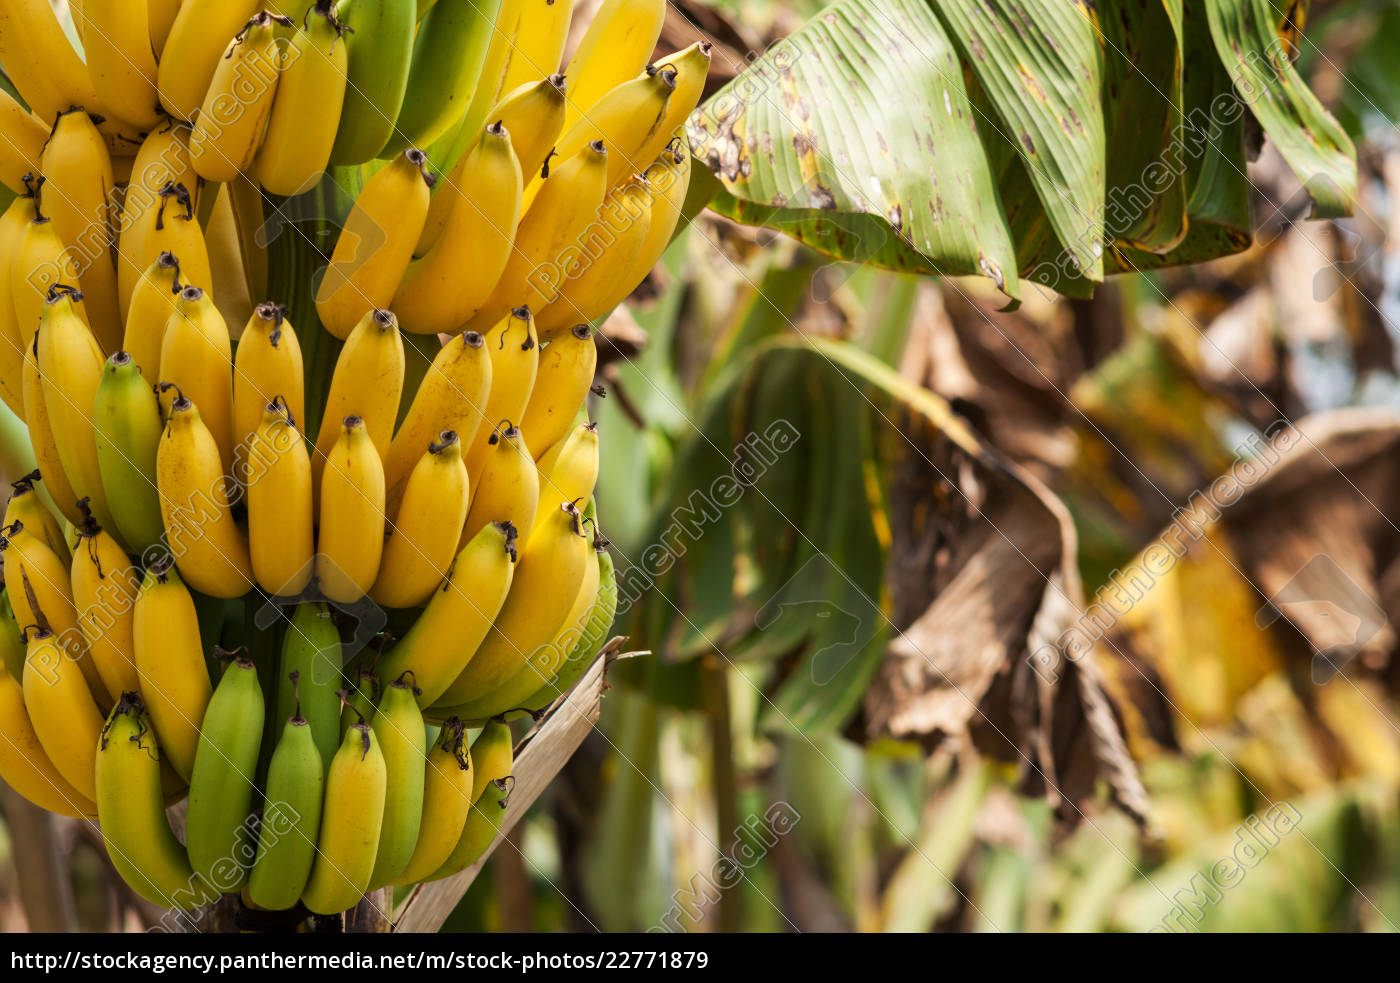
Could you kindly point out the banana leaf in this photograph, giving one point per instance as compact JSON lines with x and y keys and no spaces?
{"x":772,"y":545}
{"x":1054,"y":143}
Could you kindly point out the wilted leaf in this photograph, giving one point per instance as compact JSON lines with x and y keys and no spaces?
{"x":1285,"y":569}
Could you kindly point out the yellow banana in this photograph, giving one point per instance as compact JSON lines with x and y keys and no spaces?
{"x":668,"y":179}
{"x":41,"y":437}
{"x":62,"y":709}
{"x":12,"y":225}
{"x":423,"y":539}
{"x":153,"y":301}
{"x":351,"y":821}
{"x":11,"y":640}
{"x":105,"y":585}
{"x":433,"y":297}
{"x":42,"y":595}
{"x":158,"y":210}
{"x":533,"y":115}
{"x":24,"y":764}
{"x":234,"y":112}
{"x":42,"y":261}
{"x":508,"y":489}
{"x":177,"y":232}
{"x":552,"y":566}
{"x":626,"y":120}
{"x":515,"y":359}
{"x":70,"y":366}
{"x":163,"y":158}
{"x":120,"y":59}
{"x":492,"y":759}
{"x":458,"y":615}
{"x":280,"y":515}
{"x":692,"y":67}
{"x":191,"y":53}
{"x":376,"y":243}
{"x":210,"y":549}
{"x":22,"y":139}
{"x":196,"y":356}
{"x":616,"y":47}
{"x":568,"y":471}
{"x":367,"y":383}
{"x":550,"y":231}
{"x":160,"y":18}
{"x":131,"y":809}
{"x":545,"y":661}
{"x":78,"y":184}
{"x":170,"y":662}
{"x":538,"y":47}
{"x":447,"y":798}
{"x":596,"y":280}
{"x":39,"y":60}
{"x":566,"y":373}
{"x":595,"y":632}
{"x":463,"y":134}
{"x":351,"y":538}
{"x":306,"y":113}
{"x":267,"y":365}
{"x":451,"y":396}
{"x":28,"y":508}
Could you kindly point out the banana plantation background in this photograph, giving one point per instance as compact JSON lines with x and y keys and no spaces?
{"x":1001,"y":474}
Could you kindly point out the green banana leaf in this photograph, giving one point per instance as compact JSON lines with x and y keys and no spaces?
{"x":769,"y":539}
{"x":1310,"y":140}
{"x":1049,"y":142}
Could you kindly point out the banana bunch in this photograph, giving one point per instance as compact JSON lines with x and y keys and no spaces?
{"x":202,"y":459}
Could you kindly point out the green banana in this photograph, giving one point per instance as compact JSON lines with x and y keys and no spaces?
{"x":350,"y":822}
{"x":311,"y":648}
{"x":491,"y":757}
{"x":291,"y":816}
{"x":398,"y":724}
{"x":381,"y":50}
{"x":599,"y":622}
{"x":11,"y":644}
{"x":217,"y":828}
{"x":447,"y":58}
{"x":127,"y":425}
{"x":131,"y":808}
